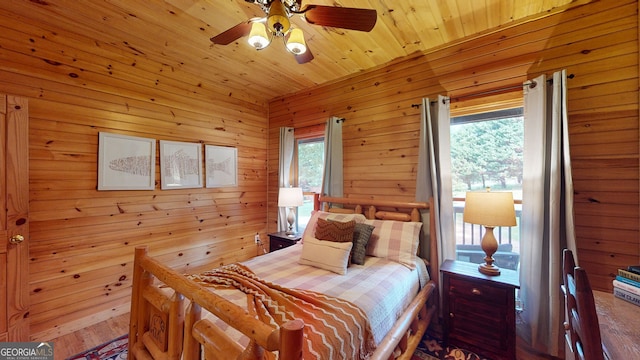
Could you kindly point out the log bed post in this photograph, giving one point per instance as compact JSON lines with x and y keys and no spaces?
{"x":291,"y":340}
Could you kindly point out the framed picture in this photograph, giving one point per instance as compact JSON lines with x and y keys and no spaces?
{"x":221,"y":166}
{"x":180,"y":165}
{"x":126,"y":162}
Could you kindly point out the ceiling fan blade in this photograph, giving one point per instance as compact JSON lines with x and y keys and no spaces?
{"x":304,"y":57}
{"x":341,"y":17}
{"x":232,"y":34}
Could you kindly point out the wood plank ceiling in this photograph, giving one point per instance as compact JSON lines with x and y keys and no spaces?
{"x":175,"y":34}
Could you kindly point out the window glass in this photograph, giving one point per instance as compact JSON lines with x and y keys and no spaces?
{"x":486,"y":151}
{"x":310,"y":168}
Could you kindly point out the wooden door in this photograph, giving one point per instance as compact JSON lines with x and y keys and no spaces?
{"x":14,"y":216}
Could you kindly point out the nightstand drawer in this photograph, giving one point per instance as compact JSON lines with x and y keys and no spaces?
{"x":277,"y":244}
{"x":478,"y":291}
{"x":281,"y":240}
{"x":480,"y":321}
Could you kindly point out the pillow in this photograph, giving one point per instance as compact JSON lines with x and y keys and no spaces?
{"x":328,"y":255}
{"x":331,"y":230}
{"x":394,"y":240}
{"x":361,"y":235}
{"x":310,"y":230}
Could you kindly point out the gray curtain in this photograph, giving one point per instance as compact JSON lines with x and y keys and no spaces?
{"x":434,"y":174}
{"x":547,"y":213}
{"x":286,"y":149}
{"x":333,"y":178}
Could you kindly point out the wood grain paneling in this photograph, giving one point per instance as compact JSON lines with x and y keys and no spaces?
{"x":82,"y":239}
{"x":148,"y":69}
{"x":596,"y":43}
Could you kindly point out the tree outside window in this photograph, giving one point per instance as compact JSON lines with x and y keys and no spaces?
{"x":487,"y":151}
{"x":310,"y":157}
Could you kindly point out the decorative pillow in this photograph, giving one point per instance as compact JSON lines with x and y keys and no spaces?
{"x":361,"y":235}
{"x":310,"y":230}
{"x":332,"y":230}
{"x":328,"y":255}
{"x":394,"y":240}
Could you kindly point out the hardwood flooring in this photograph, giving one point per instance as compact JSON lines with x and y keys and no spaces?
{"x":92,"y":336}
{"x":74,"y":343}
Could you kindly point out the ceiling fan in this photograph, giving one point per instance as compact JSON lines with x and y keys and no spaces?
{"x":276,"y":23}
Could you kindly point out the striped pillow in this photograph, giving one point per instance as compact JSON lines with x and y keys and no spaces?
{"x":310,"y":230}
{"x":337,"y":231}
{"x":394,"y":240}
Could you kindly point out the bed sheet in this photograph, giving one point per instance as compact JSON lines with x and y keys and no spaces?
{"x":381,"y":288}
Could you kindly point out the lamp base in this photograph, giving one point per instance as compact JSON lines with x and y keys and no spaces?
{"x":490,"y":270}
{"x":489,"y":245}
{"x":290,"y":220}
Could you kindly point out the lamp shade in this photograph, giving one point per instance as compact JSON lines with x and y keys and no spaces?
{"x":290,"y":197}
{"x":278,"y":20}
{"x":258,"y":37}
{"x":489,"y":209}
{"x":296,"y":44}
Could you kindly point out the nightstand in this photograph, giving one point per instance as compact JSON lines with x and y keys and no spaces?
{"x":281,"y":240}
{"x":479,"y":310}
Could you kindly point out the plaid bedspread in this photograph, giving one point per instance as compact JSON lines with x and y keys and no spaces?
{"x":381,"y":288}
{"x":334,"y":328}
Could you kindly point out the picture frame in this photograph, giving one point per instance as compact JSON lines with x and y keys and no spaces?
{"x":221,"y":166}
{"x":180,"y":165}
{"x":126,"y":162}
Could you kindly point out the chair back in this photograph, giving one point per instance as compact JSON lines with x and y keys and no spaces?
{"x":582,"y":319}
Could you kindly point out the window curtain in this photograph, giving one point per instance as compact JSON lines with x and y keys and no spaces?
{"x":332,"y":179}
{"x":433,"y":178}
{"x":285,"y":153}
{"x":547,"y":212}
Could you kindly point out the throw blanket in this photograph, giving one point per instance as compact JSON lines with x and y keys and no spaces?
{"x":334,"y":328}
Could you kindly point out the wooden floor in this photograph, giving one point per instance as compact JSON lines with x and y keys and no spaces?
{"x":74,"y":343}
{"x":92,"y":336}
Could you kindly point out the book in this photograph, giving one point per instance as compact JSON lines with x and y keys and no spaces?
{"x":628,"y":281}
{"x":629,"y":275}
{"x":627,"y":287}
{"x":634,"y":269}
{"x":627,"y":296}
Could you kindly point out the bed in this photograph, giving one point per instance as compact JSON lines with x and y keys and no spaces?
{"x":323,"y":298}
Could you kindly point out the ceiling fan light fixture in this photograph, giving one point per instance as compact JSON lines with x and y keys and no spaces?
{"x":278,"y":19}
{"x":295,"y":43}
{"x":258,"y":37}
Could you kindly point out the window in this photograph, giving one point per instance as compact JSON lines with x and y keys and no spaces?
{"x":486,"y":151}
{"x":310,"y":163}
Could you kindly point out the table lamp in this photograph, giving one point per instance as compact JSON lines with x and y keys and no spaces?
{"x":290,"y":197}
{"x":489,"y":209}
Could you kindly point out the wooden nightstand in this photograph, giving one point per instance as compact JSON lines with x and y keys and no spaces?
{"x":281,"y":240}
{"x":479,"y":310}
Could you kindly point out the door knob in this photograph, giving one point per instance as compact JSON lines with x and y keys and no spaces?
{"x":16,"y":239}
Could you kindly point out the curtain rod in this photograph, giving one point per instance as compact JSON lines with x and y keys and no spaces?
{"x":312,"y":126}
{"x":531,"y":84}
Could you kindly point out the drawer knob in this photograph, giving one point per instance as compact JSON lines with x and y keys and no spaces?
{"x":475,"y":291}
{"x":451,"y":315}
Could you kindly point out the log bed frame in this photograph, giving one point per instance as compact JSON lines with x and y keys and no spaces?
{"x":162,"y":326}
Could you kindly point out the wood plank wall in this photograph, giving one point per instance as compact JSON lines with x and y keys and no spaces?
{"x":597,"y":43}
{"x":82,"y":240}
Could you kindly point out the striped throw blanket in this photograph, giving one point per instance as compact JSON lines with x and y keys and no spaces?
{"x":334,"y":328}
